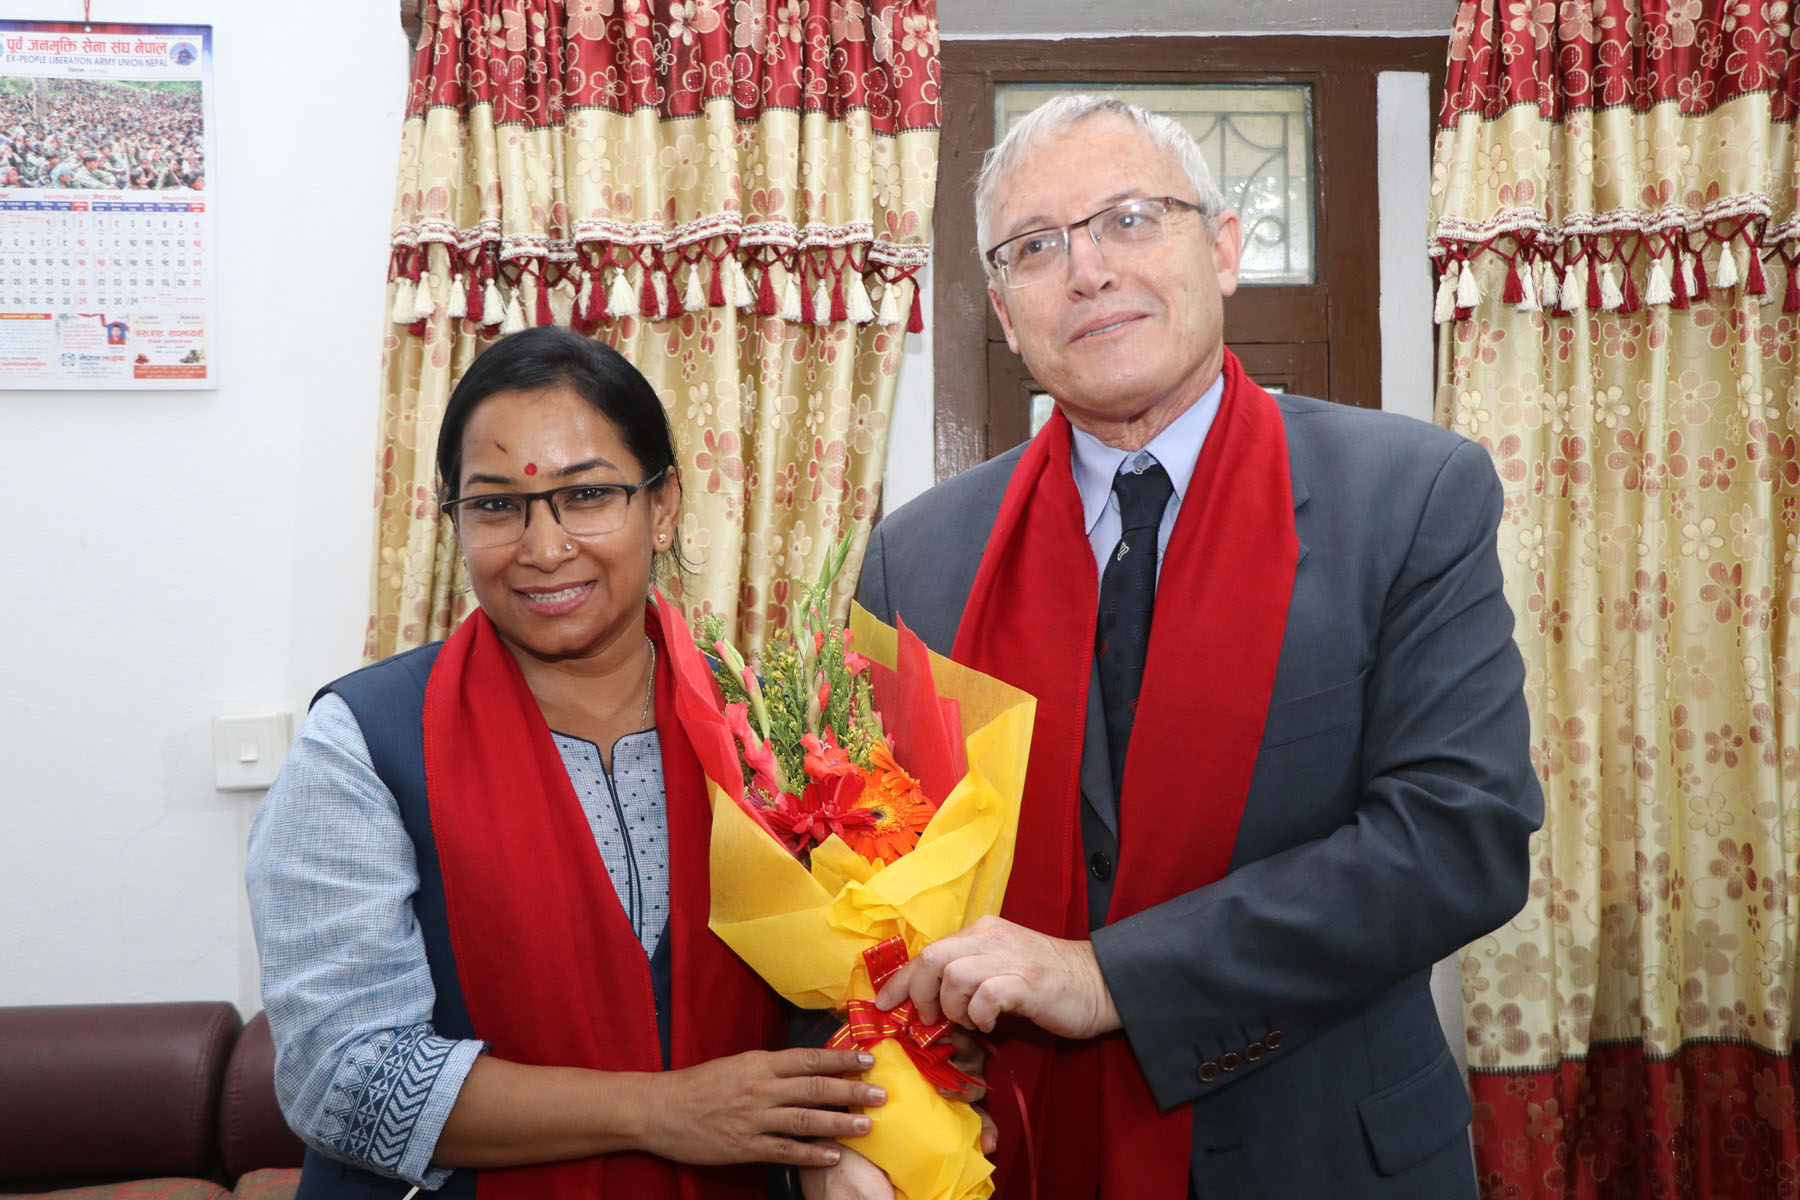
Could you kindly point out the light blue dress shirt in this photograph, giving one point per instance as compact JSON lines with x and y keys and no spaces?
{"x":361,"y":1074}
{"x":1177,"y":448}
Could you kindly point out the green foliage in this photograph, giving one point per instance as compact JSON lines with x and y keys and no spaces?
{"x":799,"y":664}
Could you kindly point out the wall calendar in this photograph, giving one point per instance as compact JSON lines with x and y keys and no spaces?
{"x":107,"y":255}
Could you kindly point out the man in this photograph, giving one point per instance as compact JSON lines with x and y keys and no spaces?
{"x":36,"y":171}
{"x":90,"y":174}
{"x":60,"y":171}
{"x":167,"y":170}
{"x":1280,"y":774}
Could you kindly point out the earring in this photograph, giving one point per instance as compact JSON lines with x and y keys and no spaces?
{"x":662,"y":537}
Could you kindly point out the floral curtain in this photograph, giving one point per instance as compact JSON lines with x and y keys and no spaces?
{"x":1614,"y":200}
{"x":736,"y":194}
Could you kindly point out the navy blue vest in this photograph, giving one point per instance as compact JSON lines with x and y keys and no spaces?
{"x":388,"y":701}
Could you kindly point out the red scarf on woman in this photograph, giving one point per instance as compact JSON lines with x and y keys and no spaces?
{"x":549,"y":965}
{"x":1221,"y":608}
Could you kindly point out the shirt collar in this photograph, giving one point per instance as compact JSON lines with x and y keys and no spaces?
{"x":1177,"y":448}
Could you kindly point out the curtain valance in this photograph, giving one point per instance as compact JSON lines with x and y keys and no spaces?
{"x":593,"y":160}
{"x":1613,"y":173}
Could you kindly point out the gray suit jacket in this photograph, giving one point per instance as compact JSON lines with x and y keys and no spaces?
{"x":1386,"y":824}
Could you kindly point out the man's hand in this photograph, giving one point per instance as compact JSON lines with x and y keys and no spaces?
{"x":995,"y":967}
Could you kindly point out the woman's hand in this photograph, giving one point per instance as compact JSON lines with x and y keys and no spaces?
{"x":969,"y":1056}
{"x":759,"y":1107}
{"x":855,"y":1178}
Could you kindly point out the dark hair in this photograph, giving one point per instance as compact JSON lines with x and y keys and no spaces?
{"x":548,"y":356}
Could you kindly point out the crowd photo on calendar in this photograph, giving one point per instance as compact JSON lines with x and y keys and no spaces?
{"x":101,"y":134}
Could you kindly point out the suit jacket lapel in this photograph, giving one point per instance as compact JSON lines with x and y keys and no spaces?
{"x":1297,"y":478}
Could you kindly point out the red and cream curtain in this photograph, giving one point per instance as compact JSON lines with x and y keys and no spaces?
{"x":734,"y":193}
{"x":1614,"y":200}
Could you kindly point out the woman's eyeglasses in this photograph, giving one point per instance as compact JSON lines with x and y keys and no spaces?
{"x":492,"y":519}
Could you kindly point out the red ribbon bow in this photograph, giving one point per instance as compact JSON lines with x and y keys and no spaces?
{"x":927,"y":1045}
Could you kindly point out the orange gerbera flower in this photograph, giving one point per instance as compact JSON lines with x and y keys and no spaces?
{"x":900,"y":807}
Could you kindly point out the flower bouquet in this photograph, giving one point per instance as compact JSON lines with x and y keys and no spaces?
{"x":853,"y":824}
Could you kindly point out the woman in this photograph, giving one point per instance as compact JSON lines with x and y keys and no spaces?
{"x":453,"y":975}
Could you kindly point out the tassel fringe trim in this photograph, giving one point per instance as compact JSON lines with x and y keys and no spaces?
{"x":1624,"y":273}
{"x":610,"y":282}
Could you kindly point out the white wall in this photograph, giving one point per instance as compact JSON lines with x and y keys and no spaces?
{"x":911,"y":464}
{"x":179,"y":554}
{"x":1403,"y":160}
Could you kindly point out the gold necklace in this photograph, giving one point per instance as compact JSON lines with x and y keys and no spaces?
{"x":649,"y":688}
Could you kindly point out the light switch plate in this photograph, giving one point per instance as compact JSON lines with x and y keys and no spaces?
{"x":248,"y":749}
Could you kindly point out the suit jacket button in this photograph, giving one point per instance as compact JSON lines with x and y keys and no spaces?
{"x":1101,"y":866}
{"x":1208,"y":1071}
{"x":1272,"y":1039}
{"x":1229,"y":1061}
{"x":1254,"y":1051}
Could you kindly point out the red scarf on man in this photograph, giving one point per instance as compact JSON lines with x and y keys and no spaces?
{"x":549,"y":966}
{"x":1221,"y":608}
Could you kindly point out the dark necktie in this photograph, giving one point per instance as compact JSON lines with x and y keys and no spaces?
{"x":1127,"y":595}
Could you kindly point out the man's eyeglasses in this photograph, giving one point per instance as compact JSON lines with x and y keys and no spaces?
{"x":1037,"y":254}
{"x":492,"y":519}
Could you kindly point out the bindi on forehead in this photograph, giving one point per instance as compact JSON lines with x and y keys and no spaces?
{"x":531,"y":468}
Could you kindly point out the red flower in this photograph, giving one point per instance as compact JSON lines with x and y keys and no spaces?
{"x":827,"y":806}
{"x":826,"y":759}
{"x":757,"y":751}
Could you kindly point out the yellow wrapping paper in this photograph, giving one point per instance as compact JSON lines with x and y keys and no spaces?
{"x":805,"y":931}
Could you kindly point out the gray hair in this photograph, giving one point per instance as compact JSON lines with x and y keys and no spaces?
{"x":1057,"y":114}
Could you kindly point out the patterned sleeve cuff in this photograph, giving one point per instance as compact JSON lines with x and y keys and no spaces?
{"x":391,"y":1098}
{"x":415,"y":1165}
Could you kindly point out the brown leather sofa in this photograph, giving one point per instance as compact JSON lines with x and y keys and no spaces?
{"x":174,"y":1101}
